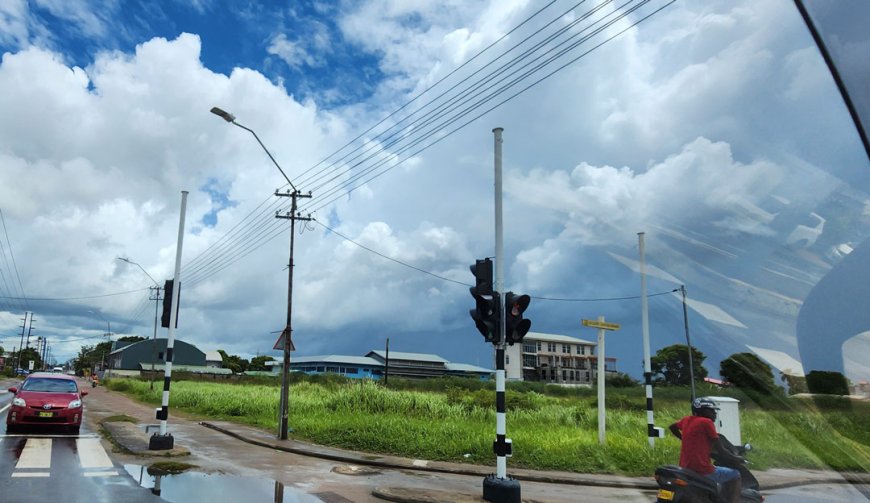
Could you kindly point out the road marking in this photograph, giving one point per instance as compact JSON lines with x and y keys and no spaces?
{"x":101,"y":474}
{"x":92,"y":454}
{"x":36,"y":454}
{"x":30,"y":474}
{"x":3,"y":409}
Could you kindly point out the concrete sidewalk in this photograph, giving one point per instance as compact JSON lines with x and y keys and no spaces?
{"x":133,"y":438}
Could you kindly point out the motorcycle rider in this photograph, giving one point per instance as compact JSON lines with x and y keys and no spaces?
{"x":698,"y":436}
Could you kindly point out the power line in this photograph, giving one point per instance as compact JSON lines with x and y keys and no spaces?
{"x":245,"y":237}
{"x":77,"y":298}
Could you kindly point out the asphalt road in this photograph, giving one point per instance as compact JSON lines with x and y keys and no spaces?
{"x":41,"y":465}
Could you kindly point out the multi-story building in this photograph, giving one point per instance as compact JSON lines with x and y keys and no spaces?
{"x":557,"y":359}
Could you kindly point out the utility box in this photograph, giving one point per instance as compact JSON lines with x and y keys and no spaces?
{"x":728,"y":417}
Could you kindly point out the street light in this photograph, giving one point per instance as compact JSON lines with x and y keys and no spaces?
{"x":288,"y":345}
{"x":156,"y":302}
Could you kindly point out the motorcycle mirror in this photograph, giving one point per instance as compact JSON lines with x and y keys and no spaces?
{"x":747,"y":446}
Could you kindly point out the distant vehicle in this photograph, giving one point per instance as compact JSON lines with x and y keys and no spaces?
{"x":46,"y":399}
{"x":21,"y":372}
{"x":57,"y":369}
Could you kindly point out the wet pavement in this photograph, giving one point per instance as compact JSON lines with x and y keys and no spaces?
{"x":238,"y":456}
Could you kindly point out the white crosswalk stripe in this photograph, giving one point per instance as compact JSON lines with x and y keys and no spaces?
{"x":36,"y":454}
{"x":35,"y":458}
{"x":92,"y":454}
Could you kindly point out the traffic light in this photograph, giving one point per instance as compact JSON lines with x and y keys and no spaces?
{"x":515,"y":327}
{"x":167,"y":304}
{"x":486,"y":312}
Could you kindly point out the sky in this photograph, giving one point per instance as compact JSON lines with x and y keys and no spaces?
{"x":723,"y":140}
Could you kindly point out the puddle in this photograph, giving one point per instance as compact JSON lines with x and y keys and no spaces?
{"x":195,"y":487}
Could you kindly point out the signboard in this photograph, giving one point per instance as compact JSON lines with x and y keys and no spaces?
{"x":279,"y":344}
{"x":601,"y":324}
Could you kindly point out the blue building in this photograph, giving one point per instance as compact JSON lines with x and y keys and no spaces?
{"x":375,"y":364}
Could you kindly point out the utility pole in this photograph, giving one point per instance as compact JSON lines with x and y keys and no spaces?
{"x":21,"y":344}
{"x":288,"y":330}
{"x":293,"y":216}
{"x":156,"y":299}
{"x":688,"y":342}
{"x":29,"y":329}
{"x":387,"y":363}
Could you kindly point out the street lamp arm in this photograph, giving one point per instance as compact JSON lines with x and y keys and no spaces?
{"x":232,"y":120}
{"x":140,"y":267}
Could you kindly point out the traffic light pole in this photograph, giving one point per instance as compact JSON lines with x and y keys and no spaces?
{"x":288,"y":331}
{"x":164,"y":440}
{"x":500,"y":488}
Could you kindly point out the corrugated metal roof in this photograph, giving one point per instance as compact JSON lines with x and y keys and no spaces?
{"x":213,"y":356}
{"x":340,"y":359}
{"x":537,"y":336}
{"x":464,"y":367}
{"x":420,"y":357}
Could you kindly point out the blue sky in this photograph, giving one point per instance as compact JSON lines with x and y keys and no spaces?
{"x":726,"y":142}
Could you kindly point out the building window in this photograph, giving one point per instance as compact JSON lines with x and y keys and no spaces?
{"x":564,"y":375}
{"x":551,"y":347}
{"x":507,"y":359}
{"x":566,"y":348}
{"x":529,"y":348}
{"x":351,"y":370}
{"x":160,"y":355}
{"x":581,"y":350}
{"x":530,"y":361}
{"x":539,"y":345}
{"x":321,"y":369}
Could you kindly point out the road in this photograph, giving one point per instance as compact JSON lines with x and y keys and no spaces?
{"x":39,"y":466}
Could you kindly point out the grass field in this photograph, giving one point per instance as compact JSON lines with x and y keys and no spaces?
{"x":552,"y":429}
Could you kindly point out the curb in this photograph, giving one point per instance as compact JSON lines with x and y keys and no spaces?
{"x":524,"y":475}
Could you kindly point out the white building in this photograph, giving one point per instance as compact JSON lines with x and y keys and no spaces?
{"x":558,"y":359}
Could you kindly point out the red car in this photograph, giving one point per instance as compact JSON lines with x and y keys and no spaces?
{"x":46,"y":399}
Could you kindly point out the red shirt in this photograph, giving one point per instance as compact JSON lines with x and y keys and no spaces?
{"x":698,"y":434}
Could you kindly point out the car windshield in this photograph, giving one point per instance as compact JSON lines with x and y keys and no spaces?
{"x":49,"y":385}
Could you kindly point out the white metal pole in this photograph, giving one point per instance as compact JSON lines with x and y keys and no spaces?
{"x":501,"y":421}
{"x":601,"y":415}
{"x":173,"y":315}
{"x":647,"y":368}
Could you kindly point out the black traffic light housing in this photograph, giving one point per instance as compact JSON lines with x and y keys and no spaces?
{"x":486,"y":313}
{"x":167,"y":304}
{"x":515,"y":326}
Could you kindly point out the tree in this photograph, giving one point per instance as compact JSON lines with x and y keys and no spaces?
{"x":672,"y":363}
{"x":830,"y":383}
{"x":748,"y":371}
{"x":233,"y":362}
{"x":132,"y":338}
{"x":796,"y":384}
{"x":621,"y":380}
{"x":259,"y":362}
{"x":91,"y":357}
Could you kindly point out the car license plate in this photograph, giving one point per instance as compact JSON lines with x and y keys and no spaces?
{"x":666,"y":495}
{"x":46,"y":414}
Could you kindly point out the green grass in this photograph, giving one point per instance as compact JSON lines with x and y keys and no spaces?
{"x":551,"y":429}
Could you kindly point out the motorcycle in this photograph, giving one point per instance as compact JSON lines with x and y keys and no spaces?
{"x":679,"y":485}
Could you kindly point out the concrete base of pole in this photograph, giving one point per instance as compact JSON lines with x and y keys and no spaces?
{"x":501,"y":490}
{"x":161,"y":442}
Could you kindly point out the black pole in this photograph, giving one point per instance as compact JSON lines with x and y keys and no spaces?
{"x":688,"y":341}
{"x":387,"y":363}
